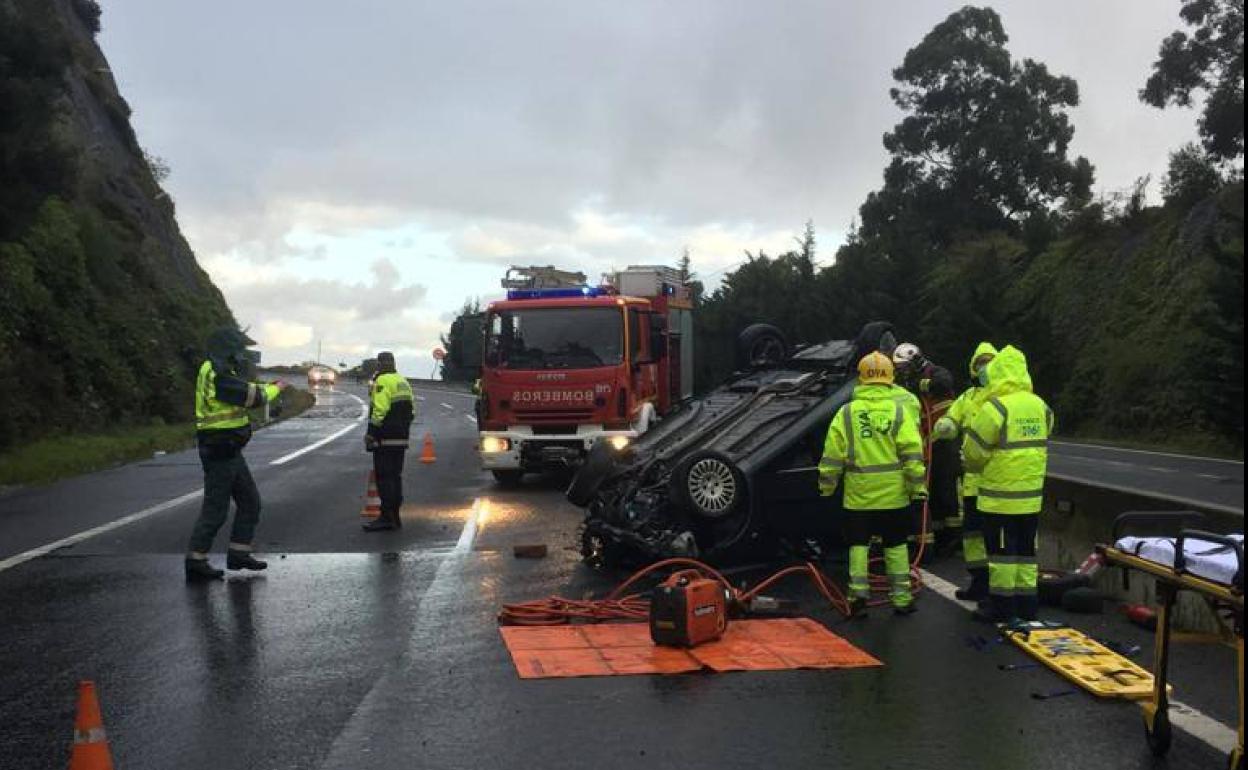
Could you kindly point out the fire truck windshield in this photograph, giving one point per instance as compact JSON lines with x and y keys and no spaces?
{"x":555,"y":338}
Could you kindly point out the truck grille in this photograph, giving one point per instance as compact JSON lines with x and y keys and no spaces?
{"x":553,"y":416}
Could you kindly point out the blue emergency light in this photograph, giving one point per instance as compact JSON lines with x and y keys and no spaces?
{"x":564,"y":293}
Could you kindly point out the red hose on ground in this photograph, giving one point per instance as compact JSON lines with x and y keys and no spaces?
{"x":617,"y":605}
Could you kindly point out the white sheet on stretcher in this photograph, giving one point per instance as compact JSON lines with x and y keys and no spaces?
{"x":1211,"y":561}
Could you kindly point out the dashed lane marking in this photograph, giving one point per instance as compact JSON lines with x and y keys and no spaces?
{"x":44,"y":550}
{"x":311,"y":447}
{"x":470,"y":419}
{"x":1192,"y":720}
{"x":447,"y":406}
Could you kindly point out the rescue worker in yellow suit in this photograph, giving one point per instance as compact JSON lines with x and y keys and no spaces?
{"x":390,"y":414}
{"x":874,"y":443}
{"x":952,"y":427}
{"x":222,"y":428}
{"x":1007,"y":445}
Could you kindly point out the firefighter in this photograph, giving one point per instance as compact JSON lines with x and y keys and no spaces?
{"x":390,"y":413}
{"x":222,"y":429}
{"x":950,"y":428}
{"x":1007,"y":445}
{"x":875,"y":444}
{"x":932,"y":388}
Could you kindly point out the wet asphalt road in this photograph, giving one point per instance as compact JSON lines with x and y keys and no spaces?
{"x":1186,"y":480}
{"x":381,"y":651}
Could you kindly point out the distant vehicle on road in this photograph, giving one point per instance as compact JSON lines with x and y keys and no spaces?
{"x":321,"y":376}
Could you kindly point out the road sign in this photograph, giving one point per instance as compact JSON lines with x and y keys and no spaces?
{"x":438,"y":354}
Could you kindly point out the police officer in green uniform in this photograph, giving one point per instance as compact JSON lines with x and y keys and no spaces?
{"x":390,"y":414}
{"x":222,"y":429}
{"x":873,"y":441}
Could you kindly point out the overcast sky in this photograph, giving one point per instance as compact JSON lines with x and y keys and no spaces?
{"x":352,"y":172}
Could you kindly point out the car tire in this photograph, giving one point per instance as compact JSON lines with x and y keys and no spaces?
{"x":1053,"y":585}
{"x":761,"y":345}
{"x":709,"y":485}
{"x":598,"y":465}
{"x":510,"y":477}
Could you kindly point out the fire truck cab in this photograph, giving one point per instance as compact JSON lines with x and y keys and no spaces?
{"x":566,"y":365}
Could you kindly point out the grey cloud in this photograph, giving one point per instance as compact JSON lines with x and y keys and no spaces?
{"x":682,"y":113}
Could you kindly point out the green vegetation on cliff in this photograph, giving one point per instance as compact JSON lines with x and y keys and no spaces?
{"x":103,"y":309}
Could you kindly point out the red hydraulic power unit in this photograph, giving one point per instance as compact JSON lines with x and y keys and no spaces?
{"x":688,"y":609}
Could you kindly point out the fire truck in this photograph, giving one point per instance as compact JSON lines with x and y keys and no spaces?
{"x":566,"y":365}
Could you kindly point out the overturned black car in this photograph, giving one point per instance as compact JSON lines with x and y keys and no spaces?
{"x":733,"y":474}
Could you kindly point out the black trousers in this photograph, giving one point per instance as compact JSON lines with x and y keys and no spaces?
{"x":388,"y":465}
{"x":1012,"y":575}
{"x":225,"y":478}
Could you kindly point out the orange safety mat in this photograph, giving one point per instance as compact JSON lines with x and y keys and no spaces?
{"x":610,"y":649}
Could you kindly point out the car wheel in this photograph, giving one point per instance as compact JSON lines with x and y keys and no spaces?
{"x":508,"y":478}
{"x":709,"y":485}
{"x":761,"y":345}
{"x":598,"y":465}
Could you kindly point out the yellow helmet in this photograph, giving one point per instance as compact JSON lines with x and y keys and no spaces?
{"x":875,"y":368}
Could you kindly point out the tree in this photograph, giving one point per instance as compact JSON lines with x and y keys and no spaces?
{"x":984,"y":142}
{"x":454,"y":368}
{"x":1209,"y":61}
{"x":1192,"y":176}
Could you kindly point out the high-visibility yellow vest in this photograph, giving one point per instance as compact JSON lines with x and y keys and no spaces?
{"x":217,"y":411}
{"x":874,"y":442}
{"x":1007,"y":440}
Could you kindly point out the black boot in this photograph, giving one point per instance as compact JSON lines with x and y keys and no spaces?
{"x":858,"y":608}
{"x":243,"y":560}
{"x":379,"y":524}
{"x":200,"y":571}
{"x":978,"y":589}
{"x":905,"y":609}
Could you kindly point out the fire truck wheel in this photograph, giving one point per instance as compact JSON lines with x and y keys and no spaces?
{"x":599,"y":463}
{"x":709,"y":485}
{"x":761,"y":345}
{"x":509,"y":477}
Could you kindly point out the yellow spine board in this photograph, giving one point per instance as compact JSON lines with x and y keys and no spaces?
{"x":1086,"y":662}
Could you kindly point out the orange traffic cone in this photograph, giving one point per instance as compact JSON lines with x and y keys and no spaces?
{"x":90,"y":745}
{"x":372,"y":500}
{"x":426,"y":452}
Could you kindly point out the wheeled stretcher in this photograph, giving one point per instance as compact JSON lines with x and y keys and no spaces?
{"x":1204,"y":563}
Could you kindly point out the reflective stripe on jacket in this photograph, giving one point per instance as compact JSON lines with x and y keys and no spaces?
{"x":1007,"y":439}
{"x":874,"y":441}
{"x":391,"y":409}
{"x":964,"y":410}
{"x":222,"y":401}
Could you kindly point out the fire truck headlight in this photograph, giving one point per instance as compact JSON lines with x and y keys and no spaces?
{"x":619,"y":442}
{"x":494,"y":445}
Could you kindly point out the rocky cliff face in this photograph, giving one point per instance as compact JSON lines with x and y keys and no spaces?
{"x":102,"y":304}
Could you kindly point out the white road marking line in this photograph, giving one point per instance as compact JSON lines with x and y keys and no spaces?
{"x":447,"y":406}
{"x":476,"y":518}
{"x":1150,"y":493}
{"x":470,"y":419}
{"x":1156,"y":469}
{"x":1198,"y":724}
{"x":1210,"y":476}
{"x":300,"y":452}
{"x":420,"y":397}
{"x":44,"y":550}
{"x":1147,"y":452}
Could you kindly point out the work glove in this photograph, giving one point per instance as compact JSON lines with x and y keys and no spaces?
{"x":370,"y":443}
{"x":945,"y":429}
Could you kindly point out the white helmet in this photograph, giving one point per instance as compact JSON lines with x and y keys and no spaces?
{"x":906,"y":353}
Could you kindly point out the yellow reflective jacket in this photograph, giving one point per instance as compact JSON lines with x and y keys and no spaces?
{"x":391,"y":409}
{"x":874,"y":442}
{"x":222,"y":401}
{"x":962,"y":411}
{"x":1007,"y":439}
